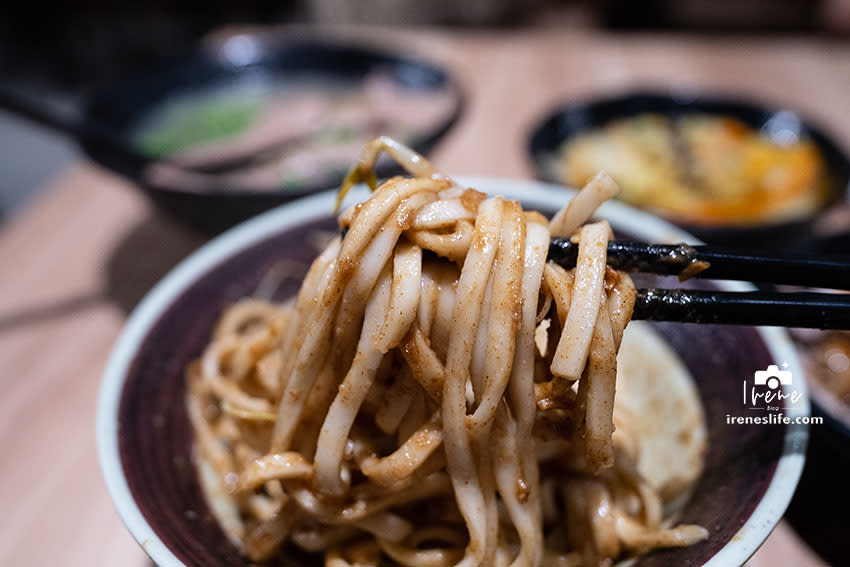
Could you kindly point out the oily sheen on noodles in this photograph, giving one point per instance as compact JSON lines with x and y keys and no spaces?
{"x":437,"y":394}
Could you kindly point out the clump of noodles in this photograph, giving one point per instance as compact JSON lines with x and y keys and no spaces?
{"x":437,"y":394}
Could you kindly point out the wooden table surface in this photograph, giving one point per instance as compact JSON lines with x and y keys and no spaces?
{"x":82,"y":254}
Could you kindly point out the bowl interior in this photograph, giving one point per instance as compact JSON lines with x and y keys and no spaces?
{"x":146,"y":442}
{"x":562,"y":124}
{"x":121,"y":106}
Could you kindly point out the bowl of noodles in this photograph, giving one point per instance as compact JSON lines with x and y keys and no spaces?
{"x":410,"y":382}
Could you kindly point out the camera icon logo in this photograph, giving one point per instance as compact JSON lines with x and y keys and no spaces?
{"x":772,"y":377}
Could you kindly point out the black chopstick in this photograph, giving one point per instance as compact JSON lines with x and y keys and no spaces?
{"x":722,"y":264}
{"x":801,"y":309}
{"x":806,"y":310}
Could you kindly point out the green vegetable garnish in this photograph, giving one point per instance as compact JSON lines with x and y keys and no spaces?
{"x":183,"y":124}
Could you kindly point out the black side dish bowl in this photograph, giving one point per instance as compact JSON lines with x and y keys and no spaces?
{"x":548,"y":136}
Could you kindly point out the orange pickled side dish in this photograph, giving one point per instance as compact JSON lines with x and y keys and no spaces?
{"x":701,"y":169}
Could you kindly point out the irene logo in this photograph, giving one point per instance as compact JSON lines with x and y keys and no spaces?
{"x":765,"y":393}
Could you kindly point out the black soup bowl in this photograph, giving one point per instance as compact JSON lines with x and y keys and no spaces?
{"x":106,"y":120}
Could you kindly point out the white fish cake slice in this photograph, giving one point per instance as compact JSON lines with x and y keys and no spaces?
{"x":658,"y":412}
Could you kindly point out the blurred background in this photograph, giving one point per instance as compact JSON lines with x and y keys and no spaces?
{"x":94,"y":209}
{"x":62,"y":50}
